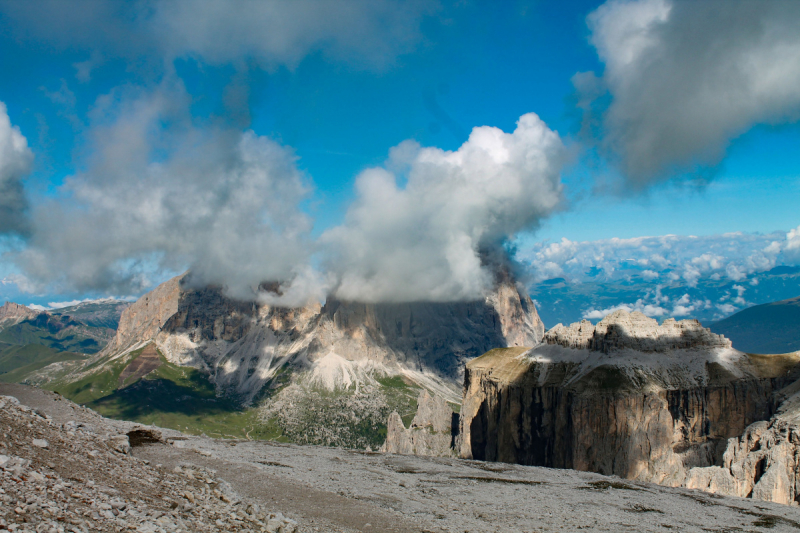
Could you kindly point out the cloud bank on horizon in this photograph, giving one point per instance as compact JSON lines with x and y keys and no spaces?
{"x":160,"y":192}
{"x":664,"y":258}
{"x":707,"y":277}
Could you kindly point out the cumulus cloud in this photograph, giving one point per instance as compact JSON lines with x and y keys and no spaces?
{"x":686,"y":77}
{"x":650,"y":310}
{"x":155,"y":200}
{"x":16,"y":160}
{"x":428,"y":239}
{"x":273,"y":32}
{"x":791,"y":247}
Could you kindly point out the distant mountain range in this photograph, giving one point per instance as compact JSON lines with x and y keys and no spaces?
{"x":31,"y":340}
{"x":766,"y":328}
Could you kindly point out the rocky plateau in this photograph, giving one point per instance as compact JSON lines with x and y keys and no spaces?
{"x":672,"y":404}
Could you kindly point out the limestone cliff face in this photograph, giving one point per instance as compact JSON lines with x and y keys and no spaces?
{"x":432,"y":432}
{"x":628,"y":397}
{"x":143,"y":319}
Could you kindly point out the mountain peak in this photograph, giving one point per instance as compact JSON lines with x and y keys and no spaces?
{"x":11,"y":310}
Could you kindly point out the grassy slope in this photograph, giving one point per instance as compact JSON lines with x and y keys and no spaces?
{"x":183,"y":398}
{"x":18,"y":362}
{"x":767,"y":328}
{"x":402,"y":396}
{"x":171,"y":396}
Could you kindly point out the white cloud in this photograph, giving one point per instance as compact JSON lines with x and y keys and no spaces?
{"x":791,"y":249}
{"x":22,"y":283}
{"x":429,"y":239}
{"x":373,"y":31}
{"x":739,"y":300}
{"x":685,"y":306}
{"x":221,"y":202}
{"x":15,"y":163}
{"x":650,"y":310}
{"x":726,"y":309}
{"x":670,"y":257}
{"x":649,"y":274}
{"x":273,"y":33}
{"x":686,"y":77}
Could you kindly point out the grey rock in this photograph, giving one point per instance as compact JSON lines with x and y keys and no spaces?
{"x":120,"y":444}
{"x":431,"y":431}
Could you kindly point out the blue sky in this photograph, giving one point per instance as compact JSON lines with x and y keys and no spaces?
{"x":118,"y":101}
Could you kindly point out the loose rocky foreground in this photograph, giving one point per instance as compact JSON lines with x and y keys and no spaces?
{"x":79,"y":483}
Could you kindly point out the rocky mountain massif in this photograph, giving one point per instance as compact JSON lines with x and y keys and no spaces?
{"x":318,"y":374}
{"x":673,"y":404}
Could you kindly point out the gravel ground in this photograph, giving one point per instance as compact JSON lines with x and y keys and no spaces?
{"x":342,"y":491}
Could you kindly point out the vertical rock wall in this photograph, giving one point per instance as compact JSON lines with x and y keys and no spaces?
{"x":671,"y":404}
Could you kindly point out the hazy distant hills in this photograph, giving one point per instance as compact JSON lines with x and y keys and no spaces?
{"x":97,"y":314}
{"x":31,"y":340}
{"x":767,"y":328}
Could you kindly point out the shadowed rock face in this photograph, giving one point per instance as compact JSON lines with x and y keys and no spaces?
{"x":627,"y":397}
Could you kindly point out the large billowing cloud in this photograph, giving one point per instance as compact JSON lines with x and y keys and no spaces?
{"x":421,"y":227}
{"x":274,"y":32}
{"x":15,"y":163}
{"x":686,"y":77}
{"x":221,"y":202}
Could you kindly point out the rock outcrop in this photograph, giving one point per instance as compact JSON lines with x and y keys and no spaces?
{"x":143,"y":319}
{"x":11,"y":313}
{"x":673,"y":404}
{"x":433,"y":430}
{"x":635,"y":331}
